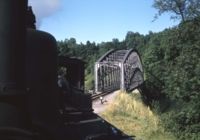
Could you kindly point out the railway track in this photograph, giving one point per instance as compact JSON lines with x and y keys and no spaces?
{"x":98,"y":95}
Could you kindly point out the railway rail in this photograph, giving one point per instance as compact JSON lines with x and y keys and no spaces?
{"x":96,"y":96}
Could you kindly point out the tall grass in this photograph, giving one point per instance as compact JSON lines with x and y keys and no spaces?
{"x":128,"y":113}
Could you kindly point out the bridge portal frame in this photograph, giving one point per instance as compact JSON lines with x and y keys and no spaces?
{"x":116,"y":70}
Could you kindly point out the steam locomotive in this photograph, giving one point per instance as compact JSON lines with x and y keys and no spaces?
{"x":29,"y":93}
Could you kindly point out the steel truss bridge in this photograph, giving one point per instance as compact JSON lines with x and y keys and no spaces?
{"x":118,"y":69}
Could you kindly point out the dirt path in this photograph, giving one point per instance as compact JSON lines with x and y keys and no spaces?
{"x":98,"y":107}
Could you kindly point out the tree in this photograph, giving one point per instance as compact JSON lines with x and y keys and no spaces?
{"x":183,"y":9}
{"x":134,"y":40}
{"x":72,"y":42}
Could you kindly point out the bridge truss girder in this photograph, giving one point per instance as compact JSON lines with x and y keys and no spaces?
{"x":118,"y":69}
{"x":133,"y":71}
{"x":105,"y":76}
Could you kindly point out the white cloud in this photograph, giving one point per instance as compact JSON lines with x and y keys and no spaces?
{"x":44,"y":8}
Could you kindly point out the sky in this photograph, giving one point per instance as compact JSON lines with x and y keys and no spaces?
{"x":97,"y":20}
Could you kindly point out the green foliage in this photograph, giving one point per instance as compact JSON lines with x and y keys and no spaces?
{"x":89,"y":81}
{"x":172,"y":57}
{"x":134,"y":40}
{"x":181,"y":9}
{"x":184,"y":120}
{"x":171,"y":61}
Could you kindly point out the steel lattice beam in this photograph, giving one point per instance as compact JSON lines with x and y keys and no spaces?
{"x":116,"y":69}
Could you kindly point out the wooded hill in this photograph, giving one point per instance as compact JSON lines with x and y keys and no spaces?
{"x":171,"y":61}
{"x":173,"y":58}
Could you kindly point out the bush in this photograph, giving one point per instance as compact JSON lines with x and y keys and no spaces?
{"x":172,"y":56}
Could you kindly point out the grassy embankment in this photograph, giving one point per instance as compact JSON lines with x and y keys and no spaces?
{"x":128,"y":113}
